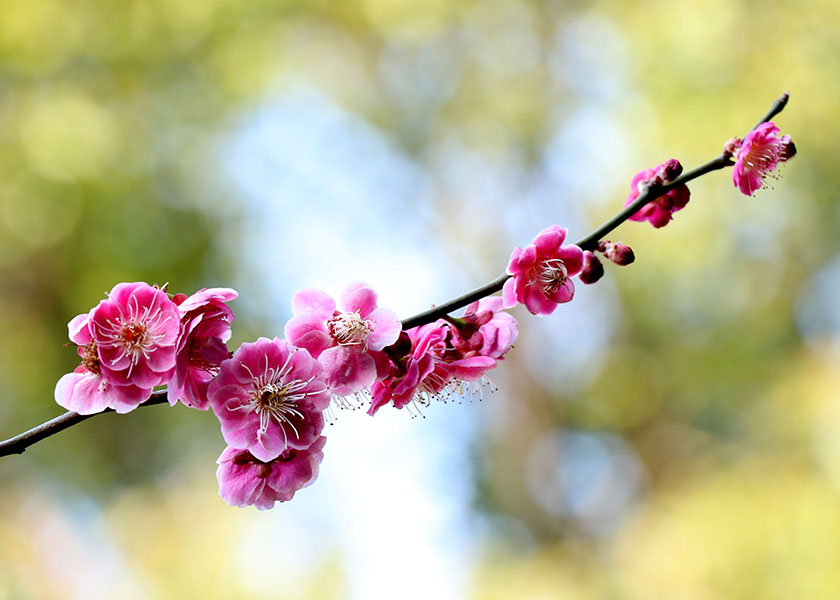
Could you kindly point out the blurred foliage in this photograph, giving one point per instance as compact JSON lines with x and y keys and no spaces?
{"x":717,"y":387}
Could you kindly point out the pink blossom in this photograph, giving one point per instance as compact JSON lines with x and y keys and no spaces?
{"x":245,"y":480}
{"x":136,"y":333}
{"x":85,"y":390}
{"x":659,"y":211}
{"x":542,"y":272}
{"x":411,"y":368}
{"x":205,"y":329}
{"x":758,"y":156}
{"x":435,"y":360}
{"x":268,"y":398}
{"x":347,"y":342}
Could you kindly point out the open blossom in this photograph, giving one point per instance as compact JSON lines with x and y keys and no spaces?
{"x":542,"y":272}
{"x":268,"y":398}
{"x":659,"y":211}
{"x":758,"y":156}
{"x":347,"y":342}
{"x":136,"y":333}
{"x":86,"y":390}
{"x":202,"y":344}
{"x":435,"y":359}
{"x":245,"y":480}
{"x":411,"y":367}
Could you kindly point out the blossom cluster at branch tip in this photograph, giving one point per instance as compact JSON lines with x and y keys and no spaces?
{"x":658,"y":212}
{"x":758,"y":156}
{"x":541,"y":273}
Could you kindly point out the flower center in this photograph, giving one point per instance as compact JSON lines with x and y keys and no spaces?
{"x":349,"y":329}
{"x":134,"y":335}
{"x":551,"y":274}
{"x":278,"y":401}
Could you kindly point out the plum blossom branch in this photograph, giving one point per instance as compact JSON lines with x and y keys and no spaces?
{"x":19,"y":443}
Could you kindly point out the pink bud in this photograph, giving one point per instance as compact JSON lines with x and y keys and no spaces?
{"x":620,"y":254}
{"x":671,"y":169}
{"x":593,"y":268}
{"x":731,"y":147}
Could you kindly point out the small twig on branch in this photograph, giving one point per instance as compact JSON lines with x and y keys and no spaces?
{"x":19,"y":443}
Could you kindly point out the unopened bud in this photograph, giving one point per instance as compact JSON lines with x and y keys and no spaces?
{"x":730,"y":148}
{"x":593,"y":268}
{"x":671,"y":169}
{"x":788,"y":149}
{"x":620,"y":254}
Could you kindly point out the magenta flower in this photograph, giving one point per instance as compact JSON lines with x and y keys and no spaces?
{"x":136,"y":334}
{"x":411,"y":371}
{"x":268,"y":398}
{"x":347,"y":342}
{"x":205,"y":329}
{"x":86,"y":390}
{"x":542,"y":272}
{"x":245,"y":480}
{"x":758,"y":156}
{"x":659,"y":212}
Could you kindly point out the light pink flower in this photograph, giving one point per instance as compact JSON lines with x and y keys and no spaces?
{"x":758,"y":156}
{"x":542,"y":272}
{"x":205,"y":329}
{"x":347,"y":342}
{"x":136,"y":331}
{"x":268,"y":397}
{"x":245,"y":480}
{"x":659,"y":212}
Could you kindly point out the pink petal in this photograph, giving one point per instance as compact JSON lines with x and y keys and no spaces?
{"x":309,"y":331}
{"x":314,"y":301}
{"x":358,"y":297}
{"x":347,"y":371}
{"x":549,"y":240}
{"x":386,"y":331}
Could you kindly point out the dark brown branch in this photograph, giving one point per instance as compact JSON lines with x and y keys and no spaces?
{"x":19,"y":443}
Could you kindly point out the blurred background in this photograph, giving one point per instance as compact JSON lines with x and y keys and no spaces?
{"x":672,"y":433}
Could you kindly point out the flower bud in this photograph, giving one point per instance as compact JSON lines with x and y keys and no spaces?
{"x":593,"y":268}
{"x":671,"y":169}
{"x":730,"y":148}
{"x":620,"y":254}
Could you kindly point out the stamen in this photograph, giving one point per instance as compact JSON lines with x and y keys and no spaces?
{"x":552,"y":274}
{"x":349,"y":329}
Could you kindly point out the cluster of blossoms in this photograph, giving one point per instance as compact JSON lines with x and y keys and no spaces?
{"x":270,"y":396}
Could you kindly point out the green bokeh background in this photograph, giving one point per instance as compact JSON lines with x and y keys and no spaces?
{"x":720,"y":370}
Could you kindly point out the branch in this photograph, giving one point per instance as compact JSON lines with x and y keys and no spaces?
{"x":590,"y":241}
{"x":19,"y":443}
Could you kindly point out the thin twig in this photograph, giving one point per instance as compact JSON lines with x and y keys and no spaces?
{"x":19,"y":443}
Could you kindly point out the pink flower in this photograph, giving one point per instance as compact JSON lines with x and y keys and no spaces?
{"x":758,"y":156}
{"x":484,"y":330}
{"x":268,"y":398}
{"x":412,"y":363}
{"x":347,"y":342}
{"x":86,"y":390}
{"x":205,"y":329}
{"x":136,"y":333}
{"x":542,"y":272}
{"x":441,"y":358}
{"x":659,"y":212}
{"x":245,"y":480}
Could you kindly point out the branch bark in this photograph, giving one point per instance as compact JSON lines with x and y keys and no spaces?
{"x":19,"y":443}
